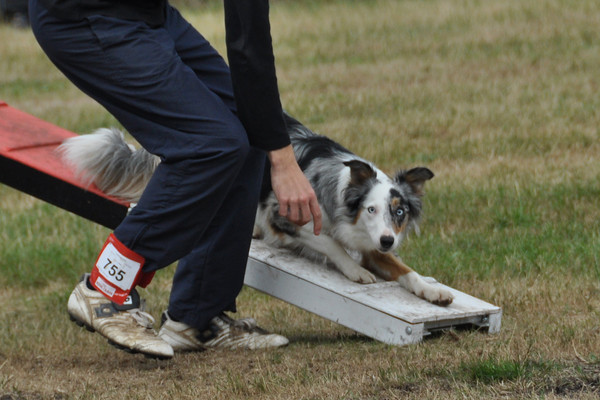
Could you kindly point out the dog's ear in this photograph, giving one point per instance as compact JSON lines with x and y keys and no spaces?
{"x":360,"y":172}
{"x":415,"y":178}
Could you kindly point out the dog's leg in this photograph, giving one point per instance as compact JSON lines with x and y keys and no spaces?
{"x":279,"y":231}
{"x":336,"y":254}
{"x":392,"y":268}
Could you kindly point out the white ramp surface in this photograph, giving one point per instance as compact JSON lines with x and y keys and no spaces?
{"x":383,"y":310}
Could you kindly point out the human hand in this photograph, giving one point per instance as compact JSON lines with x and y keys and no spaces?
{"x":297,"y":199}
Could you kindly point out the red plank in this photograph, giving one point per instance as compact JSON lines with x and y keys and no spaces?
{"x":33,"y":142}
{"x":30,"y":163}
{"x":19,"y":130}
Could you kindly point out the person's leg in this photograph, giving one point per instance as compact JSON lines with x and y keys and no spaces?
{"x":208,"y":280}
{"x":137,"y":75}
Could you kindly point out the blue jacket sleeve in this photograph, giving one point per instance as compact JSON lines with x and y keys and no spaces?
{"x":252,"y":64}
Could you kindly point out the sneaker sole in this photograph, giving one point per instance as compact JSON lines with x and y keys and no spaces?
{"x":114,"y":344}
{"x":81,"y":323}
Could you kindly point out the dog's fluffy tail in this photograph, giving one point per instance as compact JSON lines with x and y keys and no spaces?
{"x":105,"y":159}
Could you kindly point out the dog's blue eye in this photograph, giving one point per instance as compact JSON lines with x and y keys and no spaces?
{"x":371,"y":210}
{"x":399,"y":212}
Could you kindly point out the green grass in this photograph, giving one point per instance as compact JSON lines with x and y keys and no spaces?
{"x":499,"y":99}
{"x":492,"y":370}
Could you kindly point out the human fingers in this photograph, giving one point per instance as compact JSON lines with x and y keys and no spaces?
{"x":294,"y":212}
{"x":305,"y":212}
{"x":315,"y":210}
{"x":299,"y":210}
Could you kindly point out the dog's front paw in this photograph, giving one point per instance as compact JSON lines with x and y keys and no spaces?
{"x":432,"y":293}
{"x":437,"y":295}
{"x":360,"y":275}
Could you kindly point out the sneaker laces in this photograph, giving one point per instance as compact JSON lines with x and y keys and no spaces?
{"x":142,"y":318}
{"x":247,"y":324}
{"x":242,"y":333}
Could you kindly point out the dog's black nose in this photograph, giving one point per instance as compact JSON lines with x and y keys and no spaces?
{"x":386,"y":242}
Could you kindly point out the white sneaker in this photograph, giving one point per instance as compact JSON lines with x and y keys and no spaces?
{"x":223,"y":332}
{"x":126,"y":327}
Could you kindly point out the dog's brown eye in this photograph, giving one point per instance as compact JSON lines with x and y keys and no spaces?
{"x":371,"y":210}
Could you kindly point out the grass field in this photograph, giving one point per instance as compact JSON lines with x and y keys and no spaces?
{"x":500,"y":99}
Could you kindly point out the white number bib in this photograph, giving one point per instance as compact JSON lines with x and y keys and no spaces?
{"x":117,"y":270}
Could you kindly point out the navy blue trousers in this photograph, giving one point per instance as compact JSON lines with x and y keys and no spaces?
{"x":172,"y":91}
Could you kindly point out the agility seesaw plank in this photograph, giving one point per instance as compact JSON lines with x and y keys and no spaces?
{"x":29,"y":163}
{"x":383,"y":310}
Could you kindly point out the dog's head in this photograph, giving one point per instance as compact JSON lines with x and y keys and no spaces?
{"x":386,"y":209}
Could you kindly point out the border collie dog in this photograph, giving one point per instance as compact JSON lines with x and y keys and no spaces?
{"x":365,"y":212}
